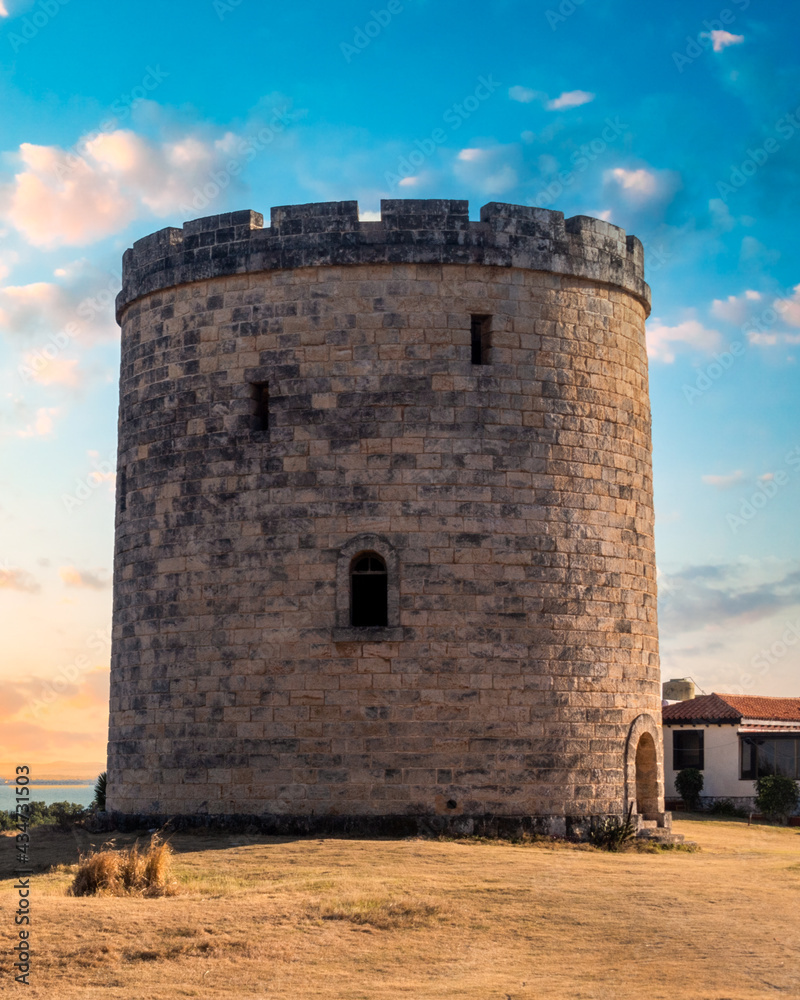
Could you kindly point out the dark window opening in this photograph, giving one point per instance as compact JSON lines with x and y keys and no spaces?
{"x":123,"y":490}
{"x":260,"y":392}
{"x":779,"y":754}
{"x":687,"y":749}
{"x":368,"y":591}
{"x":481,"y":340}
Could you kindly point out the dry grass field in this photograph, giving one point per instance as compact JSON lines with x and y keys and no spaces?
{"x":312,"y":919}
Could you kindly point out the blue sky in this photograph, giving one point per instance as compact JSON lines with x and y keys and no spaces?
{"x":677,"y":122}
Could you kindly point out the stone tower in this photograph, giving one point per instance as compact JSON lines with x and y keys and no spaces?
{"x":384,"y":544}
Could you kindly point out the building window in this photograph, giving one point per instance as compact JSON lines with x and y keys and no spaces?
{"x":687,"y":749}
{"x":760,"y":756}
{"x":481,"y":339}
{"x":260,"y":396}
{"x":369,"y":588}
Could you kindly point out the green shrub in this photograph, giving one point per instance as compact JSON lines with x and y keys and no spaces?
{"x":63,"y":814}
{"x":777,"y":796}
{"x":689,"y":784}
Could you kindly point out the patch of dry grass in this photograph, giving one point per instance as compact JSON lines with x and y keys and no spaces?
{"x":385,"y":914}
{"x":338,"y":919}
{"x":126,"y":871}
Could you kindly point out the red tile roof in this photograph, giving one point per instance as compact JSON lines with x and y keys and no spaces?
{"x":732,"y":708}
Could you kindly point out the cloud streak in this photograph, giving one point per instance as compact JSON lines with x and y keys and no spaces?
{"x":18,"y":579}
{"x":570,"y":99}
{"x":716,"y":595}
{"x":664,"y":342}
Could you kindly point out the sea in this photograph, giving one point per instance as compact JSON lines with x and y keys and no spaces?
{"x":81,"y":792}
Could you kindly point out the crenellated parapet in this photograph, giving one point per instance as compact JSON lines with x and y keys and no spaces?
{"x":409,"y":232}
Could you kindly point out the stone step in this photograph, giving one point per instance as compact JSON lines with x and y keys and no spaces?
{"x":660,"y":836}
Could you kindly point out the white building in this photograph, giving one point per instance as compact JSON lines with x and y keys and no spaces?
{"x":732,"y":739}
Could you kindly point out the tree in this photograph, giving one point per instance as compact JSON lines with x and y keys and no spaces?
{"x":689,"y":783}
{"x":777,"y":796}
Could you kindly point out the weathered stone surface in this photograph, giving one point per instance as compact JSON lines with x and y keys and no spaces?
{"x":435,"y":232}
{"x":512,"y":502}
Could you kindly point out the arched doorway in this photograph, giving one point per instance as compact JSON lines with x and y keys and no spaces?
{"x":644,"y":782}
{"x":646,"y":795}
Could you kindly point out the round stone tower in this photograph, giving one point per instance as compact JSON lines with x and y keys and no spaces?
{"x":384,"y":545}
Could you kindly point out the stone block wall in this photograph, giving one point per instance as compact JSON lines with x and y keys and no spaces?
{"x":512,"y":502}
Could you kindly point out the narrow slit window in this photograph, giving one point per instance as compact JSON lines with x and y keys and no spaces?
{"x":369,"y":591}
{"x":481,"y":339}
{"x":260,"y":392}
{"x":123,"y":490}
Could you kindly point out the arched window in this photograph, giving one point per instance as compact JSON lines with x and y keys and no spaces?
{"x":369,"y":589}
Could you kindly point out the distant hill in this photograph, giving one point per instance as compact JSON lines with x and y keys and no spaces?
{"x":55,"y":770}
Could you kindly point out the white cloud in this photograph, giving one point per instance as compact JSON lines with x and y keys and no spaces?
{"x":721,"y":214}
{"x":3,"y":10}
{"x":724,"y":482}
{"x":65,"y":198}
{"x":662,"y":340}
{"x":641,"y":185}
{"x":570,"y":99}
{"x":790,"y":308}
{"x":17,"y":579}
{"x":80,"y":306}
{"x":84,"y":579}
{"x":41,"y":426}
{"x":369,"y":216}
{"x":52,"y":370}
{"x":487,"y":170}
{"x":523,"y":94}
{"x":641,"y":182}
{"x":722,"y":39}
{"x":734,"y":309}
{"x":410,"y":181}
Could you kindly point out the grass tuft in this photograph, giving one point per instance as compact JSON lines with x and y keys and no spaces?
{"x":126,"y":872}
{"x":383,"y":914}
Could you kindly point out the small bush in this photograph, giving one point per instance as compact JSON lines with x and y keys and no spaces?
{"x":726,"y":807}
{"x":613,"y":833}
{"x":126,"y":872}
{"x":689,"y":783}
{"x":100,"y":792}
{"x":777,"y":796}
{"x":64,"y":814}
